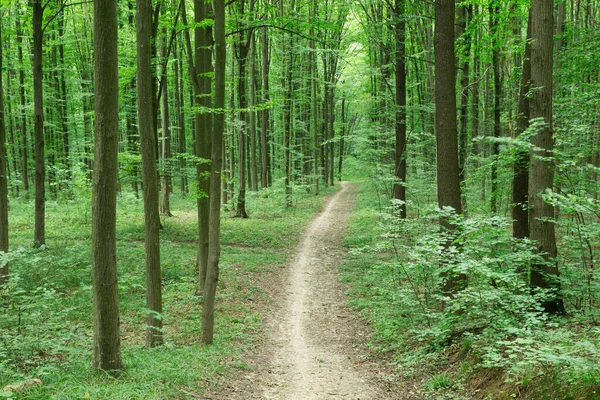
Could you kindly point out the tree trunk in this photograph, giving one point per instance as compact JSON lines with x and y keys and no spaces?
{"x":541,"y":213}
{"x":204,"y":126}
{"x":145,"y":103}
{"x":252,"y":114}
{"x":25,"y":174}
{"x":264,"y":128}
{"x":214,"y":247}
{"x":448,"y":184}
{"x":520,"y":215}
{"x":342,"y":135}
{"x":399,"y":191}
{"x":493,"y":10}
{"x":107,"y":348}
{"x":166,"y":134}
{"x":39,"y":235}
{"x":3,"y":177}
{"x":241,"y":54}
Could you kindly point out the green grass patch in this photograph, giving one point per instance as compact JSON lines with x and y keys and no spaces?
{"x":46,"y":320}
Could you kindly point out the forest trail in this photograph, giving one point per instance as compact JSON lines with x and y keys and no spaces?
{"x":315,"y":344}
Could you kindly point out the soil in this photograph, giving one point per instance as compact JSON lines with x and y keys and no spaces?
{"x":315,"y":346}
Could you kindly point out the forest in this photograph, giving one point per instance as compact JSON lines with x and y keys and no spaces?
{"x":162,"y":160}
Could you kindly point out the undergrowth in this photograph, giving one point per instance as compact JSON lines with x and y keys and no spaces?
{"x":46,"y":313}
{"x":491,"y":340}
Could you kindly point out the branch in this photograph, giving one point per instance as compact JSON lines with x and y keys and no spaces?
{"x":61,"y":9}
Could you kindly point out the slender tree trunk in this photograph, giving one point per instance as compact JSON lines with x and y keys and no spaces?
{"x":62,"y":103}
{"x":145,"y":103}
{"x":39,"y":235}
{"x":264,"y":128}
{"x":25,"y":174}
{"x":520,"y":215}
{"x":399,"y":191}
{"x":541,"y":213}
{"x":448,"y":184}
{"x":241,"y":50}
{"x":252,"y":114}
{"x":214,"y":248}
{"x":3,"y":177}
{"x":342,"y":135}
{"x":166,"y":134}
{"x":107,"y":348}
{"x":204,"y":126}
{"x":465,"y":17}
{"x":314,"y":109}
{"x":179,"y":102}
{"x":493,"y":10}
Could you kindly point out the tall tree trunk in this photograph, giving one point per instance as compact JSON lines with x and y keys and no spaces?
{"x":179,"y":107}
{"x":107,"y":348}
{"x":264,"y":124}
{"x":465,"y":16}
{"x":314,"y":109}
{"x":3,"y":177}
{"x":145,"y":103}
{"x":399,"y":191}
{"x":62,"y":103}
{"x":252,"y":114}
{"x":520,"y":215}
{"x":541,"y":213}
{"x":204,"y":126}
{"x":342,"y":136}
{"x":214,"y":248}
{"x":241,"y":54}
{"x":493,"y":10}
{"x":39,"y":235}
{"x":448,"y":184}
{"x":166,"y":134}
{"x":22,"y":102}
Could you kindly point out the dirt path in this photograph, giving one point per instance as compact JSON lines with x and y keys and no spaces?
{"x":315,"y":344}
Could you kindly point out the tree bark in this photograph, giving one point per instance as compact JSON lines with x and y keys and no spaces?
{"x":214,"y":248}
{"x":241,"y":54}
{"x":399,"y":190}
{"x":541,"y":178}
{"x":493,"y":10}
{"x":107,"y":348}
{"x":25,"y":172}
{"x":39,"y":235}
{"x":3,"y":178}
{"x":520,"y":215}
{"x":448,"y":184}
{"x":264,"y":127}
{"x":166,"y":134}
{"x":204,"y":126}
{"x":145,"y":103}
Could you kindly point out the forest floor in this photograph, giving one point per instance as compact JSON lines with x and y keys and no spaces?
{"x":314,"y":345}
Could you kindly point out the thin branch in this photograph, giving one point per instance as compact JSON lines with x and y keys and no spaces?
{"x":61,"y":9}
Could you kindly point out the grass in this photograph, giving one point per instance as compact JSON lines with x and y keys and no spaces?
{"x":46,"y":326}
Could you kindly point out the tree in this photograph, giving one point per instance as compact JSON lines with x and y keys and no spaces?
{"x":448,"y":185}
{"x":143,"y":22}
{"x":541,"y":177}
{"x":214,"y":245}
{"x":39,"y":235}
{"x":400,"y":147}
{"x":3,"y":178}
{"x":520,"y":214}
{"x":107,"y":348}
{"x":166,"y":130}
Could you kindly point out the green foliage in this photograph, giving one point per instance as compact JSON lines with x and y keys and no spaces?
{"x":396,"y":269}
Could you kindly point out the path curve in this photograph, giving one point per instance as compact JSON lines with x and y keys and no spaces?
{"x":315,"y":344}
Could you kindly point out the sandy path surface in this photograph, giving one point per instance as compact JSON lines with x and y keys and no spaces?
{"x":315,"y":344}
